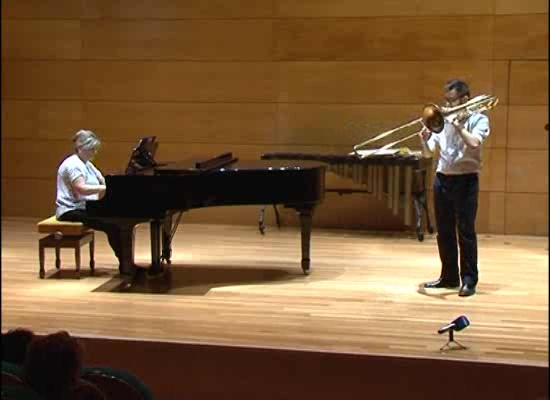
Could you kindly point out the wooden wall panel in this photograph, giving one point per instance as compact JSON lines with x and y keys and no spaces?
{"x":350,"y":82}
{"x":526,"y":127}
{"x":227,"y":123}
{"x":41,"y":80}
{"x":493,"y":172}
{"x":179,"y":81}
{"x":343,"y":8}
{"x":386,"y":82}
{"x":339,"y":124}
{"x":19,"y":197}
{"x":521,"y":37}
{"x":527,"y":171}
{"x":491,"y":212}
{"x":455,"y":8}
{"x":37,"y":120}
{"x":521,"y":7}
{"x":403,"y":39}
{"x":358,"y":8}
{"x":177,"y":9}
{"x":193,"y":40}
{"x":498,"y":122}
{"x":39,"y":9}
{"x":46,"y":39}
{"x":526,"y":214}
{"x":32,"y":160}
{"x":529,"y":82}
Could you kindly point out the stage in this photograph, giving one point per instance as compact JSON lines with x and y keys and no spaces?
{"x":231,"y":286}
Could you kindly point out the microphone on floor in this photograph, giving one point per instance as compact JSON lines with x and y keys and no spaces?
{"x":457,"y":325}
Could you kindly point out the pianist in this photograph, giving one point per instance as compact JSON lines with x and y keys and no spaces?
{"x":78,"y":180}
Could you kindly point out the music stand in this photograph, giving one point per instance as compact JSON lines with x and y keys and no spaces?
{"x":143,"y":155}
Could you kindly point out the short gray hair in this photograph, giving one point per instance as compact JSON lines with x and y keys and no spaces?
{"x":86,"y":140}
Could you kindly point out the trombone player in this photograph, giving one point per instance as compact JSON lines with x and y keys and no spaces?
{"x":456,"y":189}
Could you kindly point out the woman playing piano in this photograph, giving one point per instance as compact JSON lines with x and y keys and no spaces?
{"x":78,"y":180}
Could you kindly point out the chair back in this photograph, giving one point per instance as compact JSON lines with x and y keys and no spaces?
{"x":88,"y":391}
{"x":11,"y":379}
{"x":113,"y":387}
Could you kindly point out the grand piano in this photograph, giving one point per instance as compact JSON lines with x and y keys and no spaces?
{"x":158,"y":193}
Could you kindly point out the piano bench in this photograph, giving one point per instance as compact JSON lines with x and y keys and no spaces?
{"x":63,"y":234}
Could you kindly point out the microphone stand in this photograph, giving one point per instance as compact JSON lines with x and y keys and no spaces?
{"x":452,"y":340}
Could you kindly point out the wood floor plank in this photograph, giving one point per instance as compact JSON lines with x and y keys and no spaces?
{"x":231,"y":285}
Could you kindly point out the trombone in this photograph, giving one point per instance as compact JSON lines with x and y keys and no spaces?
{"x":433,"y":118}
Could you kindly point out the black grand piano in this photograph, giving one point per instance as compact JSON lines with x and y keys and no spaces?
{"x":159,"y":193}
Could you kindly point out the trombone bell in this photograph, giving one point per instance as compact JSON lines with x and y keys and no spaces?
{"x":432,"y":118}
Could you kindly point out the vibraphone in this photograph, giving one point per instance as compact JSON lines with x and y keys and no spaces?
{"x":399,"y":179}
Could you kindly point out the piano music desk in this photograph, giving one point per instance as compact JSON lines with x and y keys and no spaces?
{"x":63,"y":234}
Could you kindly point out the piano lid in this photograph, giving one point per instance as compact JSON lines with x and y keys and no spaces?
{"x":226,"y":162}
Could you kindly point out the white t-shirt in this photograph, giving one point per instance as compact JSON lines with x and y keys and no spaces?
{"x":70,"y":169}
{"x":455,"y":158}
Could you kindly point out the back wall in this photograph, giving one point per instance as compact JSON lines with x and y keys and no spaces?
{"x":252,"y":76}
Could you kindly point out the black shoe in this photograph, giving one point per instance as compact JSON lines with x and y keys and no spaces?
{"x":467,"y":289}
{"x":442,"y":283}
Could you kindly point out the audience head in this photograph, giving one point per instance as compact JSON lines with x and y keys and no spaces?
{"x":53,"y":365}
{"x":15,"y":344}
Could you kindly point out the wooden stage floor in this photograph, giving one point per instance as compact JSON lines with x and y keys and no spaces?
{"x":229,"y":285}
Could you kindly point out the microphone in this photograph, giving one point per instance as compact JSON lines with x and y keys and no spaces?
{"x":457,"y":325}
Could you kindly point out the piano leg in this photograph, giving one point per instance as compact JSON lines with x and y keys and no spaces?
{"x":127,"y":264}
{"x":156,"y":266}
{"x":166,"y":244}
{"x":261,"y":225}
{"x":306,"y":215}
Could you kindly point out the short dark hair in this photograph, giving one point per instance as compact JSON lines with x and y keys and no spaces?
{"x":459,"y":86}
{"x":53,"y":364}
{"x":15,"y":344}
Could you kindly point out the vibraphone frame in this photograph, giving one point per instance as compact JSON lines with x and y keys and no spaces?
{"x":388,"y":176}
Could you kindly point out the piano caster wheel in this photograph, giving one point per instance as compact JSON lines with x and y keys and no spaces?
{"x":42,"y":274}
{"x":262,"y":229}
{"x":430,"y":229}
{"x":420,"y":236}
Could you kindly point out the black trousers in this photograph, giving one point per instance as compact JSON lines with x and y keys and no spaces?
{"x":455,"y":200}
{"x":111,"y":230}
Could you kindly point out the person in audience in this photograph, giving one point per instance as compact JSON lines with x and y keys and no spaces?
{"x":53,"y":365}
{"x":78,"y":180}
{"x":15,"y":343}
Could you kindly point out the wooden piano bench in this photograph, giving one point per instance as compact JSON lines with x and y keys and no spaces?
{"x":62,"y":234}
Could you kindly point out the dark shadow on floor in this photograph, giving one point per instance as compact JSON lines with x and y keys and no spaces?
{"x":72,"y":274}
{"x":195,"y":280}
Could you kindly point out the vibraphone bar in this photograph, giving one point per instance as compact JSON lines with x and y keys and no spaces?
{"x":399,"y":179}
